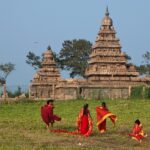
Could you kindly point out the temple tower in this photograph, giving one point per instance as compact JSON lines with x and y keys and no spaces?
{"x":107,"y":62}
{"x":46,"y":78}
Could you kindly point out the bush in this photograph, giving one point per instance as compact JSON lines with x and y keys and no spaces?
{"x":17,"y":93}
{"x":11,"y":94}
{"x":27,"y":94}
{"x":137,"y":92}
{"x":140,"y":92}
{"x":147,"y":93}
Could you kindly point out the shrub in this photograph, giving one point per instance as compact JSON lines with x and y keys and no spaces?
{"x":137,"y":92}
{"x":147,"y":93}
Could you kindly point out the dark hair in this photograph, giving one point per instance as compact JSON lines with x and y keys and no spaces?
{"x":50,"y":101}
{"x":85,"y":106}
{"x":137,"y":122}
{"x":85,"y":109}
{"x":103,"y":104}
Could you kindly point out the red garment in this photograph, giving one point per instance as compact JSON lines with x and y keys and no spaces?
{"x":47,"y":114}
{"x":137,"y":132}
{"x":102,"y":115}
{"x":84,"y":123}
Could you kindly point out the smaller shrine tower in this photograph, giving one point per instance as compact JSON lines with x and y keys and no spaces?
{"x":46,"y":78}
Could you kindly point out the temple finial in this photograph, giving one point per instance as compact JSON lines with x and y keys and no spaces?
{"x":49,"y":47}
{"x":107,"y":12}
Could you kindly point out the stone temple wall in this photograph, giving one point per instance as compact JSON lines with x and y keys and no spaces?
{"x":91,"y":93}
{"x":66,"y":93}
{"x":84,"y":90}
{"x":105,"y":93}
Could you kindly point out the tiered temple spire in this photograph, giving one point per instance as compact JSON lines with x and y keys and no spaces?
{"x":45,"y":79}
{"x":107,"y":62}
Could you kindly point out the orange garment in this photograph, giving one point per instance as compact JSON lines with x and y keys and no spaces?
{"x":84,"y":123}
{"x":47,"y":114}
{"x":137,"y":132}
{"x":102,"y":115}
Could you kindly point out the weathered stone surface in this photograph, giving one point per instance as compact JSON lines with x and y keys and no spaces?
{"x":46,"y":78}
{"x":107,"y":62}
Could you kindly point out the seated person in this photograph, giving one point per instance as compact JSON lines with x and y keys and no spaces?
{"x":137,"y":131}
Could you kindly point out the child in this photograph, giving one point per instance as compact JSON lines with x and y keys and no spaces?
{"x":137,"y":131}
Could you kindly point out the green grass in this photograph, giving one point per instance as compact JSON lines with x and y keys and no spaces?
{"x":21,"y":127}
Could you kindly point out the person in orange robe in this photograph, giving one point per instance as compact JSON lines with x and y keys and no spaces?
{"x":47,"y":114}
{"x":102,"y":114}
{"x":84,"y":121}
{"x":137,"y":131}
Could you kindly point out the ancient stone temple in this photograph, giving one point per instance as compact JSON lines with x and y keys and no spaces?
{"x":108,"y":69}
{"x":108,"y":74}
{"x":107,"y":62}
{"x":45,"y":80}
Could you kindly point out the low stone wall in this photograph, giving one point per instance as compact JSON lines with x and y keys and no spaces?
{"x":84,"y":90}
{"x":104,"y":93}
{"x":91,"y":93}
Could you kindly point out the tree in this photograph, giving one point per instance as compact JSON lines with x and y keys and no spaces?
{"x":128,"y":58}
{"x":36,"y":61}
{"x":146,"y":57}
{"x":74,"y":55}
{"x":17,"y":93}
{"x":2,"y":81}
{"x":33,"y":60}
{"x":5,"y":70}
{"x":144,"y":69}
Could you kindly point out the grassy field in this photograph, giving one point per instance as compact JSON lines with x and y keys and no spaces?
{"x":21,"y":126}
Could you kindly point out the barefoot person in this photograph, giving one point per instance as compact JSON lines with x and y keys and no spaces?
{"x":84,"y":121}
{"x":47,"y":114}
{"x":102,"y":114}
{"x":137,"y":131}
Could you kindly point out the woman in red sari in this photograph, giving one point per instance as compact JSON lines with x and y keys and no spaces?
{"x":84,"y":121}
{"x":47,"y":114}
{"x":137,"y":131}
{"x":84,"y":124}
{"x":102,"y":114}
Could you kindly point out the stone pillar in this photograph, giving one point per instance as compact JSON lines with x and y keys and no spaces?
{"x":29,"y":91}
{"x":53,"y":91}
{"x":4,"y":91}
{"x":129,"y":91}
{"x":143,"y":92}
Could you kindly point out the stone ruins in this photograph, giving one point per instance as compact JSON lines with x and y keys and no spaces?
{"x":108,"y":74}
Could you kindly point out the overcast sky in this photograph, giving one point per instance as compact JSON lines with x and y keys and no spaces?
{"x":32,"y":25}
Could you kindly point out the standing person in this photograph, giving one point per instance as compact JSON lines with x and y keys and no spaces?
{"x":84,"y":121}
{"x":137,"y":131}
{"x":102,"y":114}
{"x":47,"y":114}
